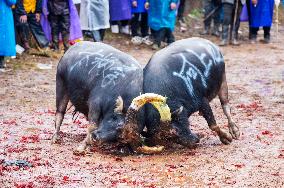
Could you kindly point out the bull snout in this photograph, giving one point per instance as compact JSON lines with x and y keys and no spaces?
{"x":103,"y":136}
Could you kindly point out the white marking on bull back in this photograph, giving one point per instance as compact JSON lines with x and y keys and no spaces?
{"x":190,"y":74}
{"x":107,"y":64}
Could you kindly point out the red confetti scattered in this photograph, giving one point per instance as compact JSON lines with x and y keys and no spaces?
{"x":65,"y":178}
{"x":29,"y":139}
{"x":39,"y":122}
{"x":10,"y":122}
{"x":239,"y":165}
{"x":266,"y":133}
{"x":24,"y":185}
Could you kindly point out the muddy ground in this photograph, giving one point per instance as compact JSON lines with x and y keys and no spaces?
{"x":255,"y":76}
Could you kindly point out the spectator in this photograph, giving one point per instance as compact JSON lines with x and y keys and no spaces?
{"x":260,"y":15}
{"x":74,"y":28}
{"x":77,"y":4}
{"x":180,"y":16}
{"x":139,"y":21}
{"x":27,"y":17}
{"x":94,"y":17}
{"x":212,"y":7}
{"x":232,"y":11}
{"x":120,"y":11}
{"x":162,"y":17}
{"x":7,"y":33}
{"x":59,"y":20}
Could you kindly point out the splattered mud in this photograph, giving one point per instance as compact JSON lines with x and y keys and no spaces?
{"x":255,"y":76}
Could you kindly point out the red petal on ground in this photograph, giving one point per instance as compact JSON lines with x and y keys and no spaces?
{"x":65,"y":178}
{"x":239,"y":165}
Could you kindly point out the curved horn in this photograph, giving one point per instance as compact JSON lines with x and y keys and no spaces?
{"x":158,"y":101}
{"x":118,"y":105}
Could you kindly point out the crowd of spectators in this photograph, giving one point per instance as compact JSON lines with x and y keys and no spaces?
{"x":151,"y":22}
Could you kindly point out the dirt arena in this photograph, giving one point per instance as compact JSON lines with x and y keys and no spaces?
{"x":255,"y":75}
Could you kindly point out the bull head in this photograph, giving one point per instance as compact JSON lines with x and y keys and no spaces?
{"x":130,"y":133}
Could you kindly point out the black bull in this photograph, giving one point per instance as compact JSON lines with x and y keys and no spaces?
{"x":101,"y":82}
{"x":190,"y":73}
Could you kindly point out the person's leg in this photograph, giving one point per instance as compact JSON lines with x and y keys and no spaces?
{"x":228,"y":10}
{"x":254,"y":31}
{"x":96,"y":36}
{"x":54,"y":24}
{"x":114,"y":27}
{"x":135,"y":24}
{"x":23,"y":31}
{"x":207,"y":6}
{"x":65,"y":30}
{"x":144,"y":24}
{"x":125,"y":27}
{"x":169,"y":35}
{"x":37,"y":31}
{"x":102,"y":33}
{"x":266,"y":34}
{"x":216,"y":17}
{"x":181,"y":10}
{"x":159,"y":36}
{"x":2,"y":62}
{"x":235,"y":30}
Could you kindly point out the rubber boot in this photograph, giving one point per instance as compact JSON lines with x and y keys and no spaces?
{"x":205,"y":31}
{"x":235,"y":41}
{"x":216,"y":30}
{"x":2,"y":62}
{"x":225,"y":35}
{"x":65,"y":41}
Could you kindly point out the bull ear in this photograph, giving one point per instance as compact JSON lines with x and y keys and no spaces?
{"x":177,"y":112}
{"x":118,"y":105}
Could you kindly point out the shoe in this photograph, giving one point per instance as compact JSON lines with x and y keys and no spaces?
{"x":224,"y":42}
{"x":125,"y":30}
{"x":235,"y":42}
{"x":114,"y":29}
{"x":266,"y":40}
{"x":216,"y":31}
{"x":183,"y":26}
{"x":155,"y":47}
{"x":252,"y":40}
{"x":146,"y":40}
{"x":137,"y":40}
{"x":205,"y":31}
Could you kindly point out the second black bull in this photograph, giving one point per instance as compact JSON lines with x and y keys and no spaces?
{"x":190,"y":73}
{"x":101,"y":83}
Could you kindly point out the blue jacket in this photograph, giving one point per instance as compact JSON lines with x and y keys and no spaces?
{"x":140,"y":6}
{"x":7,"y":33}
{"x":160,"y":14}
{"x":261,"y":14}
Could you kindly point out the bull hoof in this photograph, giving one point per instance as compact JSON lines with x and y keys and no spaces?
{"x":55,"y":139}
{"x":234,"y":131}
{"x":225,"y":137}
{"x":81,"y":150}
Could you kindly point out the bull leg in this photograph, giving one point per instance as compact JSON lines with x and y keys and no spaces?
{"x":93,"y":117}
{"x":62,"y":100}
{"x":207,"y":113}
{"x":87,"y":141}
{"x":223,"y":96}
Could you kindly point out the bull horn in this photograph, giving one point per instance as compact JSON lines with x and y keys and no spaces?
{"x":118,"y":105}
{"x":177,"y":111}
{"x":158,"y":101}
{"x":130,"y":132}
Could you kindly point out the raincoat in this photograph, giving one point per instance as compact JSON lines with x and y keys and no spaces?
{"x":160,"y":14}
{"x":75,"y":29}
{"x":262,"y":13}
{"x":140,"y":6}
{"x":94,"y":15}
{"x":7,"y":33}
{"x":120,"y":10}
